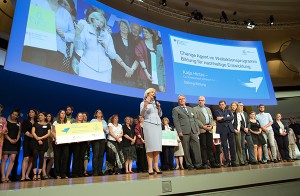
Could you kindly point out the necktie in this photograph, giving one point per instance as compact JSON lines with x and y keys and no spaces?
{"x":185,"y":109}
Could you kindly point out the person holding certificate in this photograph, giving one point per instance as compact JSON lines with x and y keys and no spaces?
{"x":151,"y":111}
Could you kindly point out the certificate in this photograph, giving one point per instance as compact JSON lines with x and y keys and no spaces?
{"x":169,"y":138}
{"x":41,"y":28}
{"x":79,"y":132}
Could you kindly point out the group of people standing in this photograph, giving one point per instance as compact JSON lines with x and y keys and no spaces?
{"x":130,"y":56}
{"x":253,"y":139}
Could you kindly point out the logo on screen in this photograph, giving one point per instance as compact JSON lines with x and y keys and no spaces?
{"x":180,"y":42}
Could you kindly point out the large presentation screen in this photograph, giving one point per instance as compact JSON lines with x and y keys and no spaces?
{"x":88,"y":44}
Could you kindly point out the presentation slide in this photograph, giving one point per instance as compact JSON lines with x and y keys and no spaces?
{"x":88,"y":44}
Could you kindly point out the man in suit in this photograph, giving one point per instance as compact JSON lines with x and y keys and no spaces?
{"x":226,"y":130}
{"x":245,"y":134}
{"x":204,"y":118}
{"x":188,"y":130}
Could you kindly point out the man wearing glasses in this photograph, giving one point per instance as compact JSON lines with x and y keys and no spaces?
{"x":204,"y":119}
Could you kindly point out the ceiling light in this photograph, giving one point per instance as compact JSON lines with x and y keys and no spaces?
{"x":197,"y":15}
{"x":271,"y":20}
{"x":249,"y":23}
{"x":163,"y":2}
{"x":224,"y":17}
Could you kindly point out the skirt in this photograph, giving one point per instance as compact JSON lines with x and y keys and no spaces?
{"x":178,"y":152}
{"x":129,"y":153}
{"x":114,"y":155}
{"x":153,"y":137}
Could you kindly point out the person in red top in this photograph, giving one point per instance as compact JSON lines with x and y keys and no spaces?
{"x":141,"y":161}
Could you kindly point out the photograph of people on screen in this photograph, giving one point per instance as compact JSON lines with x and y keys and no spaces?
{"x":77,"y":38}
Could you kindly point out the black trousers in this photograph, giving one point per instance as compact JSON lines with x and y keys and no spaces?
{"x":167,"y":157}
{"x":61,"y":156}
{"x":78,"y":158}
{"x":98,"y":147}
{"x":141,"y":161}
{"x":206,"y":144}
{"x":283,"y":146}
{"x":226,"y":134}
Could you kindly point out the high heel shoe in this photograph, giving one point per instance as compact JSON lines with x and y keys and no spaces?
{"x":158,"y":172}
{"x":151,"y":173}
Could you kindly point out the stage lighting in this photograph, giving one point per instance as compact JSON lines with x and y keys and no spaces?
{"x":163,"y":2}
{"x":224,"y":17}
{"x":197,"y":15}
{"x":249,"y":23}
{"x":271,"y":20}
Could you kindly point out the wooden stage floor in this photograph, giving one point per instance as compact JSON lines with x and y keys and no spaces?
{"x":166,"y":176}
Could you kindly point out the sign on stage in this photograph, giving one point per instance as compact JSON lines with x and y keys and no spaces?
{"x":78,"y":132}
{"x":169,"y":138}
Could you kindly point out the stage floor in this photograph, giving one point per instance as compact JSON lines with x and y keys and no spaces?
{"x":286,"y":168}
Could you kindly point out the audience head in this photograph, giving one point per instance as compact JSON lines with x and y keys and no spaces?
{"x":181,"y":100}
{"x":61,"y":117}
{"x":127,"y":120}
{"x":136,"y":29}
{"x":261,"y":108}
{"x":98,"y":114}
{"x":201,"y":101}
{"x":222,"y":104}
{"x":252,"y":114}
{"x":85,"y":116}
{"x":234,"y":107}
{"x":114,"y":119}
{"x":79,"y":117}
{"x":150,"y":92}
{"x":14,"y":115}
{"x":42,"y":116}
{"x":98,"y":20}
{"x":32,"y":114}
{"x":165,"y":121}
{"x":49,"y":118}
{"x":124,"y":27}
{"x":69,"y":110}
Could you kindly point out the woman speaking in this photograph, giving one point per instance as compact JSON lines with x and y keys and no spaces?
{"x":151,"y":111}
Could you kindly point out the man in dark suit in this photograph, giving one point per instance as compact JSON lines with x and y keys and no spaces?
{"x":188,"y":131}
{"x":226,"y":130}
{"x":246,"y":136}
{"x":204,"y":118}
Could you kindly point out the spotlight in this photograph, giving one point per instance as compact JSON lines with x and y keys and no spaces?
{"x":163,"y":2}
{"x":132,"y":1}
{"x":271,"y":20}
{"x":197,"y":15}
{"x":249,"y":23}
{"x":224,"y":17}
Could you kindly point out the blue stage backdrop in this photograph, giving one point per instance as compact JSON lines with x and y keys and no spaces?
{"x":176,"y":62}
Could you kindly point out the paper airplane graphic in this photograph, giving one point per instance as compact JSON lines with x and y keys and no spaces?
{"x":65,"y":130}
{"x":254,"y":83}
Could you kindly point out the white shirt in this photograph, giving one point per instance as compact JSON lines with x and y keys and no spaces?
{"x":264,"y":118}
{"x":116,"y":130}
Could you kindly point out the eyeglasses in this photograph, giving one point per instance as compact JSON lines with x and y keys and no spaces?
{"x":201,"y":100}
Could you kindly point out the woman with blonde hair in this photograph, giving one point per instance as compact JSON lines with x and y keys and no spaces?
{"x":151,"y":111}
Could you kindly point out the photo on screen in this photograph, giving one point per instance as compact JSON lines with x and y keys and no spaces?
{"x":80,"y":39}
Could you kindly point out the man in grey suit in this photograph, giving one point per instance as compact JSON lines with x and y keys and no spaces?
{"x":188,"y":130}
{"x":245,"y":134}
{"x":204,"y":118}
